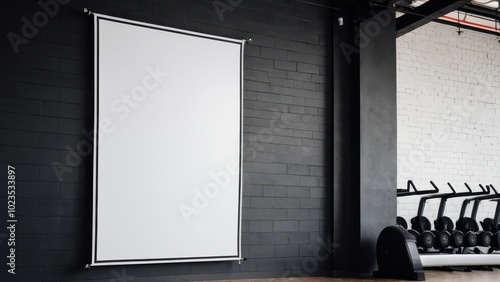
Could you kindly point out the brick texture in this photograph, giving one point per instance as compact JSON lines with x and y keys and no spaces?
{"x":46,"y":111}
{"x":448,"y":109}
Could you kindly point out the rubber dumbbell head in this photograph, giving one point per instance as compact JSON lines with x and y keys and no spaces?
{"x":484,"y":238}
{"x":470,"y":239}
{"x":400,"y":221}
{"x":442,"y":239}
{"x":420,"y":224}
{"x":457,"y":239}
{"x":467,"y":224}
{"x":495,"y":241}
{"x":488,"y":224}
{"x":444,"y":223}
{"x":426,"y":240}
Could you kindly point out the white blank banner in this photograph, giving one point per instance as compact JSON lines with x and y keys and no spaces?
{"x":167,"y":153}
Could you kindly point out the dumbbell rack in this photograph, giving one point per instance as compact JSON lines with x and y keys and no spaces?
{"x":440,"y":259}
{"x":465,"y":259}
{"x":443,"y":200}
{"x":495,"y":197}
{"x":469,"y":223}
{"x":497,"y":213}
{"x":477,"y":201}
{"x":411,"y":190}
{"x":411,"y":186}
{"x":442,"y":203}
{"x":398,"y":257}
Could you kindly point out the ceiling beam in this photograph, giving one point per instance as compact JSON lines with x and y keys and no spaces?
{"x":480,"y":11}
{"x":426,"y":13}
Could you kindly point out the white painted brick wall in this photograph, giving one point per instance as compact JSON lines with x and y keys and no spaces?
{"x":448,"y":114}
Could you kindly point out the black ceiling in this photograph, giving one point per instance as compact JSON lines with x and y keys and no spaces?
{"x":427,"y":12}
{"x":415,"y":17}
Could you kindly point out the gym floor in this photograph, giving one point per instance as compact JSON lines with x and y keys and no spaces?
{"x":434,"y":276}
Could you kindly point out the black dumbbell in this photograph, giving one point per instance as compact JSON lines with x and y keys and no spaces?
{"x":424,"y":239}
{"x":488,"y":224}
{"x":427,"y":238}
{"x":473,"y":237}
{"x":400,"y":221}
{"x":470,"y":226}
{"x":458,"y":238}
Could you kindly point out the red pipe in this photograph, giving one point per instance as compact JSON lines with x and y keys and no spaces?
{"x":471,"y":23}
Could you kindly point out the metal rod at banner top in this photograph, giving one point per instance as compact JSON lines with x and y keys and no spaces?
{"x":89,"y":12}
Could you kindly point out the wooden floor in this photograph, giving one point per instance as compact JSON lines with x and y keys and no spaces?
{"x":433,"y":276}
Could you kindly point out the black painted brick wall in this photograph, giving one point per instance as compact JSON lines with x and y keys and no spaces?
{"x":46,"y":105}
